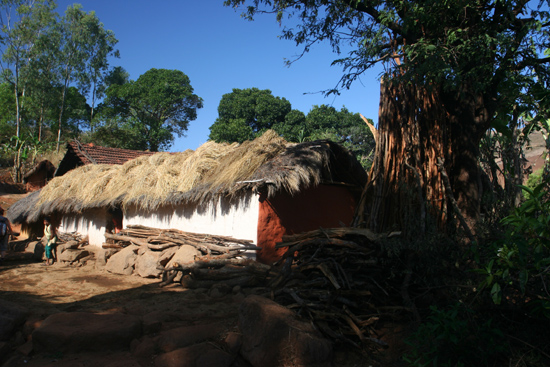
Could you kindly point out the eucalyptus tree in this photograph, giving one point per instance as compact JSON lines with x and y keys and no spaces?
{"x":97,"y":67}
{"x":451,"y":68}
{"x":43,"y":84}
{"x":23,"y":23}
{"x":84,"y":48}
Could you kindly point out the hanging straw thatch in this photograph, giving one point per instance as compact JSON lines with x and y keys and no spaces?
{"x":195,"y":176}
{"x":20,"y":210}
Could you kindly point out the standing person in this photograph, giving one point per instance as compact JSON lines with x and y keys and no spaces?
{"x":51,"y":240}
{"x":5,"y":233}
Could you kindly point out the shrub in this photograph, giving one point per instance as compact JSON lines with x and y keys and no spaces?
{"x":520,"y":262}
{"x":453,"y":337}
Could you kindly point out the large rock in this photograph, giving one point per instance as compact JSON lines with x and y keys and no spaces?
{"x":198,"y":355}
{"x":71,"y":255}
{"x":11,"y":317}
{"x":73,"y":332}
{"x":185,"y":336}
{"x":103,"y":255}
{"x":123,"y":261}
{"x":273,"y":336}
{"x":72,"y":244}
{"x":147,"y":264}
{"x":36,"y":248}
{"x":167,"y":255}
{"x":185,"y":254}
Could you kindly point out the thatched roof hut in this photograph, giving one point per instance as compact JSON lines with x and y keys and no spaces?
{"x":214,"y":173}
{"x":39,"y":175}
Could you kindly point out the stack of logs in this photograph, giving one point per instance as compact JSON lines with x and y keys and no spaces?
{"x":66,"y":237}
{"x":223,"y":258}
{"x":343,"y":280}
{"x":161,"y":239}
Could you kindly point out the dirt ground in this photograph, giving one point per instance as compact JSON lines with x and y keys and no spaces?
{"x":46,"y":290}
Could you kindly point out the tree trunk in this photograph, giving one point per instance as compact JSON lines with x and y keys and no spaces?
{"x":17,"y":164}
{"x":61,"y":115}
{"x":405,"y":190}
{"x":40,"y":122}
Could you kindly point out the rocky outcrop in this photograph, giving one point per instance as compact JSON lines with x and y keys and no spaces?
{"x":73,"y":332}
{"x":273,"y":336}
{"x":11,"y":317}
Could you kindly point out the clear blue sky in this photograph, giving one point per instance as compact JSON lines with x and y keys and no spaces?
{"x":220,"y":51}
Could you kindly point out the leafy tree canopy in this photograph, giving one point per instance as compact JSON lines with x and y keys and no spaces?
{"x":247,"y":113}
{"x":345,"y":127}
{"x":152,"y":109}
{"x":424,"y":41}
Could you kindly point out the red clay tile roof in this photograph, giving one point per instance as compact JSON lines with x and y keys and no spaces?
{"x":90,"y":154}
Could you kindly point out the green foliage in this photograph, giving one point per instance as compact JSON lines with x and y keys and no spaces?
{"x":234,"y":130}
{"x":453,"y":337}
{"x":151,"y":110}
{"x":344,"y":127}
{"x":49,"y":64}
{"x":245,"y":114}
{"x":520,"y":262}
{"x":448,"y":42}
{"x":535,"y":179}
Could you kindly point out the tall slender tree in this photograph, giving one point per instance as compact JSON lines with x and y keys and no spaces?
{"x":23,"y":23}
{"x":84,"y":47}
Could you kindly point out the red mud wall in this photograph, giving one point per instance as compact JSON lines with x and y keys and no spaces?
{"x":324,"y":206}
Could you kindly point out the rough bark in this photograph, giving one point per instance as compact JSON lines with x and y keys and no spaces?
{"x":418,"y":125}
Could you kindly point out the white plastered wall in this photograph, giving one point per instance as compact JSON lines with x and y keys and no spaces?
{"x":90,"y":223}
{"x":238,"y":219}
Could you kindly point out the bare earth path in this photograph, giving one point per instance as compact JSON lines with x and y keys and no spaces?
{"x":44,"y":291}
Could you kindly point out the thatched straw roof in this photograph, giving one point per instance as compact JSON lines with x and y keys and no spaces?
{"x":20,"y":210}
{"x":268,"y":163}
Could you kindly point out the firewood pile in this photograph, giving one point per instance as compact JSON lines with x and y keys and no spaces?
{"x":343,"y":281}
{"x":222,"y":259}
{"x":228,"y":272}
{"x":161,"y":239}
{"x":65,"y":237}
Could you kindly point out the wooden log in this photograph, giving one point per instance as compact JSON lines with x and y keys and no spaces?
{"x":205,"y":245}
{"x":335,"y":232}
{"x":111,"y":245}
{"x":197,"y":236}
{"x":298,"y":245}
{"x":133,"y":240}
{"x":232,"y":271}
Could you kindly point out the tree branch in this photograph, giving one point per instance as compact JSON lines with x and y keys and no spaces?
{"x":375,"y":14}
